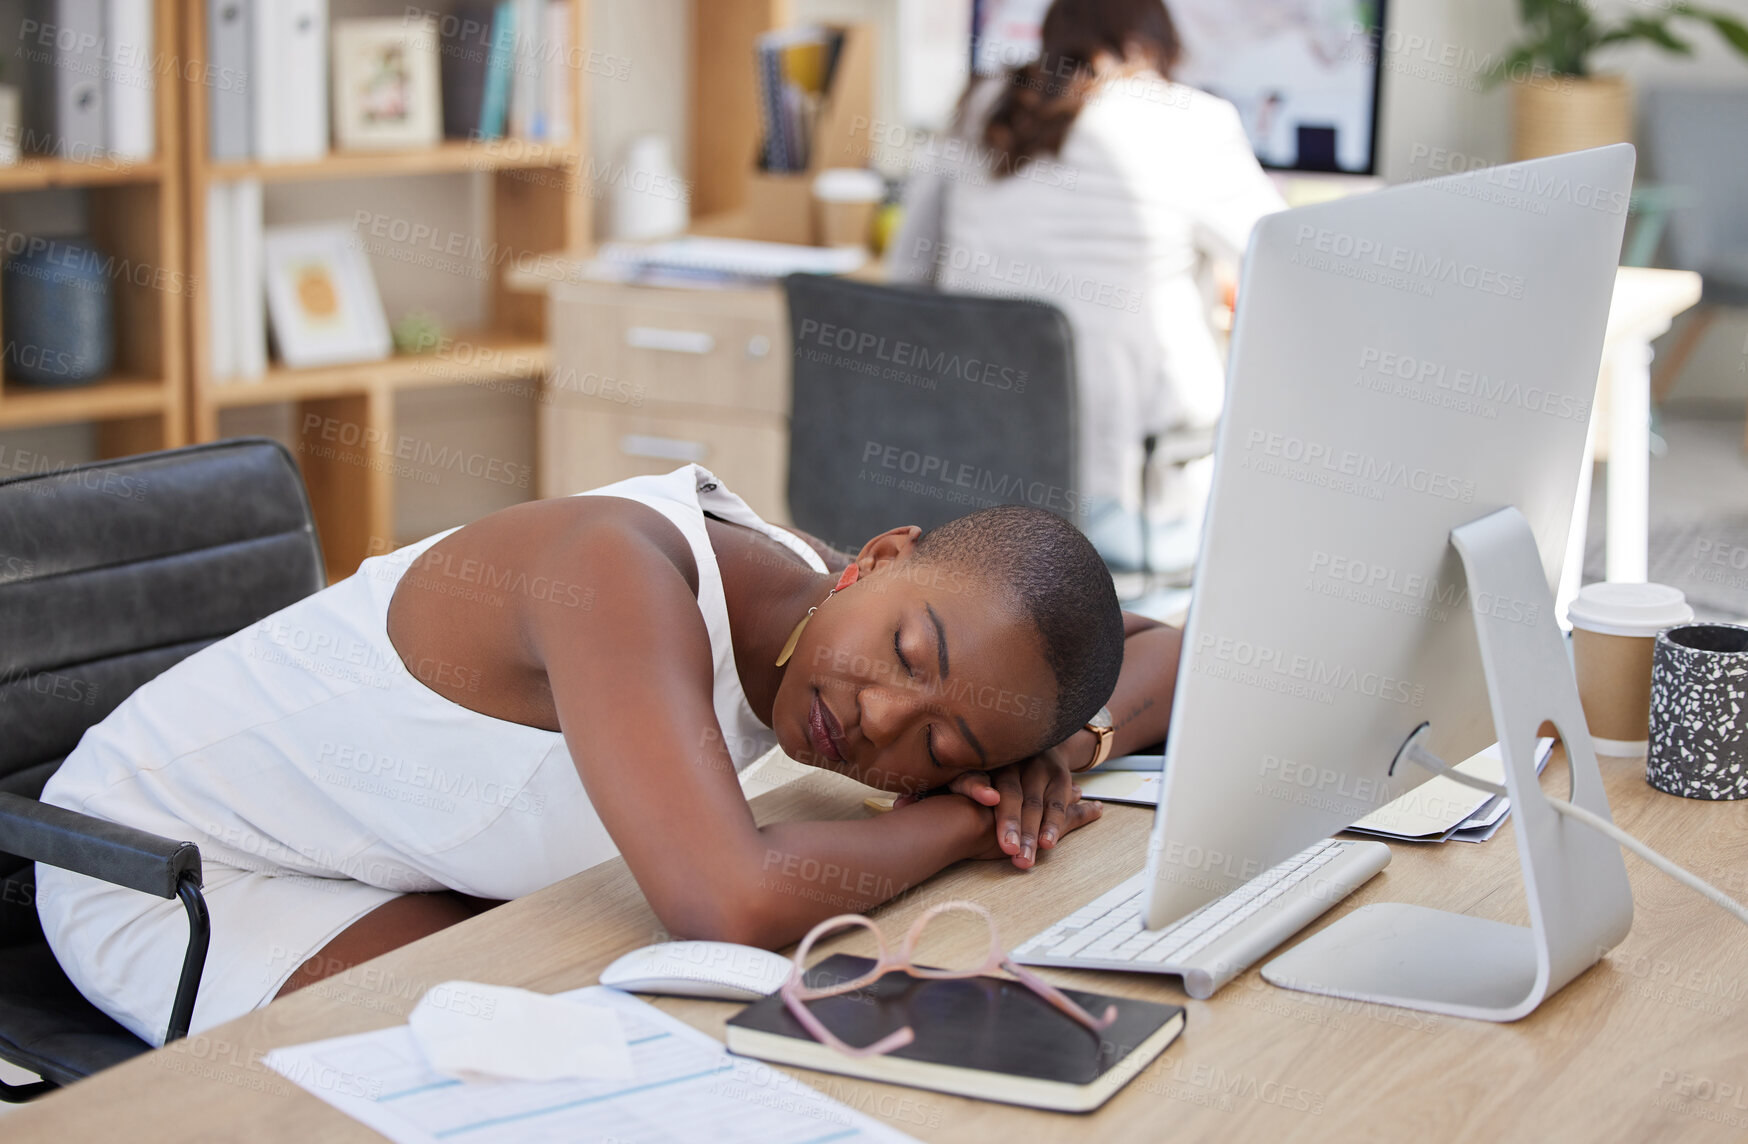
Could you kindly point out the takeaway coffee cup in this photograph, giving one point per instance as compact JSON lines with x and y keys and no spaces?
{"x":846,"y":199}
{"x":1699,"y":712}
{"x":1614,"y":631}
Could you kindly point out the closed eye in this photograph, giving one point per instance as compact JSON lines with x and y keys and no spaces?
{"x":929,"y":733}
{"x":898,"y":651}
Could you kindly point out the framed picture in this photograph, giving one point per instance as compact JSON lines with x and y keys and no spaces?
{"x":386,"y":90}
{"x":321,"y":297}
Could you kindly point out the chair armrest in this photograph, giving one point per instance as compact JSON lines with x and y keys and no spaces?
{"x":121,"y":855}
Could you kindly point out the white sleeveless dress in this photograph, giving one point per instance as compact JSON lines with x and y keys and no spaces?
{"x":320,"y":778}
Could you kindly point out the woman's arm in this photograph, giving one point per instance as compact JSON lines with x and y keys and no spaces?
{"x":1232,"y":190}
{"x":922,"y":244}
{"x":1141,"y":704}
{"x":916,"y":246}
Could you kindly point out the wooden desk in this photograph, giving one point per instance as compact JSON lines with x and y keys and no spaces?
{"x":1648,"y":1045}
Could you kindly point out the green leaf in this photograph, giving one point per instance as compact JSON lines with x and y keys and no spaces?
{"x":1571,"y":37}
{"x":1534,"y":11}
{"x":1734,"y":32}
{"x":1656,"y":31}
{"x":1561,"y":35}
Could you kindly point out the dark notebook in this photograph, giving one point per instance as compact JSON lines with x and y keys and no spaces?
{"x":467,"y":45}
{"x":982,"y":1037}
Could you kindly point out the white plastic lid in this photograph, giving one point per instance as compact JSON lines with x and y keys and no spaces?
{"x":1628,"y":609}
{"x":849,"y":185}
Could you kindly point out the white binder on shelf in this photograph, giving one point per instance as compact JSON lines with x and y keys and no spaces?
{"x":220,"y":290}
{"x":290,"y":79}
{"x":247,"y":284}
{"x":230,"y":95}
{"x":131,"y":98}
{"x":75,"y":80}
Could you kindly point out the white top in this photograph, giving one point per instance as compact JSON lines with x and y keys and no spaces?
{"x":1620,"y":609}
{"x":1151,"y":176}
{"x":303,"y":745}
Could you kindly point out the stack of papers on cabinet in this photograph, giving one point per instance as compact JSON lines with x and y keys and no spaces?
{"x":704,"y":261}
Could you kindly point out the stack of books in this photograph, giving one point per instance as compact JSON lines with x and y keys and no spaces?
{"x":237,"y":294}
{"x":506,"y":70}
{"x":89,"y":77}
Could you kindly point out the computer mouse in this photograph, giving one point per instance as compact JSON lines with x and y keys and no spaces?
{"x":718,"y":970}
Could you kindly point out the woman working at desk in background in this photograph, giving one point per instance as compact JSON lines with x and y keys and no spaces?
{"x":480,"y":714}
{"x":1095,"y":183}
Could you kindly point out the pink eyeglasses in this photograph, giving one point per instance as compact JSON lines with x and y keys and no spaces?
{"x":796,"y":992}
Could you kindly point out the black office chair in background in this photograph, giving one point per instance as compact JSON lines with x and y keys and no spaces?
{"x":109,"y":574}
{"x":916,"y":407}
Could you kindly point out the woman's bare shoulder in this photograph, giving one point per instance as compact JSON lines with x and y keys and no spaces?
{"x":517,"y":589}
{"x":576,"y":535}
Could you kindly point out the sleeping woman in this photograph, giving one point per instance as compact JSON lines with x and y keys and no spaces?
{"x":480,"y":714}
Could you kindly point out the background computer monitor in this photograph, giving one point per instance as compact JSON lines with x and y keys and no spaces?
{"x":1303,"y":74}
{"x":1403,"y":363}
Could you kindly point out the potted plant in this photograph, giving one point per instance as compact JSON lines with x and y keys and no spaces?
{"x":1559,"y":103}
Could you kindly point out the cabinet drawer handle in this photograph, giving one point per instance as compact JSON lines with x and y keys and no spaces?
{"x":662,"y":448}
{"x":673,"y":341}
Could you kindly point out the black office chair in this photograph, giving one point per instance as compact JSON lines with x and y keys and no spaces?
{"x":916,"y":407}
{"x":109,"y":574}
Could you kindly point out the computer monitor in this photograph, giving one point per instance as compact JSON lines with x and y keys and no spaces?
{"x":1304,"y":74}
{"x":1403,"y":363}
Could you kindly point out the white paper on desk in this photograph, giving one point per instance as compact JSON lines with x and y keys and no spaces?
{"x":1438,"y":805}
{"x":1491,"y":812}
{"x":1487,"y":821}
{"x":472,"y":1031}
{"x":1479,"y":833}
{"x":1139,"y":787}
{"x":688,"y":1087}
{"x":1436,"y":809}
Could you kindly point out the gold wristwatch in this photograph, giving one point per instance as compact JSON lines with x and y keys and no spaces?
{"x":1102,"y":726}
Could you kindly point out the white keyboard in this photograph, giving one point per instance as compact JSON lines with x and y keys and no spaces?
{"x":1222,"y":939}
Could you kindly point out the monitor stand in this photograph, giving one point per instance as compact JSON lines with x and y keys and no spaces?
{"x":1575,"y":881}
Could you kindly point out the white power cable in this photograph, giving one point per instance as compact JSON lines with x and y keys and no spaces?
{"x":1419,"y":755}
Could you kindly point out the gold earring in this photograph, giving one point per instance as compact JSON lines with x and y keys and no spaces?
{"x":795,"y":636}
{"x":849,"y":576}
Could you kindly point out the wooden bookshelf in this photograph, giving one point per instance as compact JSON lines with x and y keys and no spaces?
{"x":506,"y":358}
{"x":451,"y":156}
{"x":135,"y":218}
{"x":540,"y":202}
{"x":108,"y":399}
{"x":42,"y":172}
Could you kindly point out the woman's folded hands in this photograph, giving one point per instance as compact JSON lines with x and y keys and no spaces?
{"x":1035,"y":802}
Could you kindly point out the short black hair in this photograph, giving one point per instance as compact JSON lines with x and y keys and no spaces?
{"x":1059,"y":583}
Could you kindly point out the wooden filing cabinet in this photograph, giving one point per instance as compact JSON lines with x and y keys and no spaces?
{"x":645,"y":379}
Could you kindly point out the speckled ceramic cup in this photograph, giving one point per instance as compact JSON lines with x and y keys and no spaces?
{"x":1699,"y":712}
